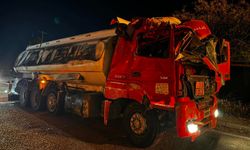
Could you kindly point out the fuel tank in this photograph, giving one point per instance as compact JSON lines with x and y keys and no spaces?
{"x":84,"y":104}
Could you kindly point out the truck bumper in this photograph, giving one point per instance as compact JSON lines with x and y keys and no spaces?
{"x":192,"y":120}
{"x":13,"y":97}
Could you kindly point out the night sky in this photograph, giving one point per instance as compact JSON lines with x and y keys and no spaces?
{"x":21,"y":21}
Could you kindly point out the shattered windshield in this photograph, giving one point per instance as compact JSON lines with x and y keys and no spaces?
{"x":189,"y":47}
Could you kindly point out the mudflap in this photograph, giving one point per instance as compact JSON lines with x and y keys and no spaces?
{"x":107,"y":104}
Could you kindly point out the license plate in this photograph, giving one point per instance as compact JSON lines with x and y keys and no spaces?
{"x":199,"y":88}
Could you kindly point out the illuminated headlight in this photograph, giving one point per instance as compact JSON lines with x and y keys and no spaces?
{"x":216,"y":113}
{"x":192,"y":128}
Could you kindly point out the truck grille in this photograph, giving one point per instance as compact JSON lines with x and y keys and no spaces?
{"x":202,"y":89}
{"x":203,"y":104}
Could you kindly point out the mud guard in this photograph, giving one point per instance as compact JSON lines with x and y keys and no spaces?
{"x":107,"y":104}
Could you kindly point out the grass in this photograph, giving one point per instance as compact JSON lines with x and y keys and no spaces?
{"x":235,"y":108}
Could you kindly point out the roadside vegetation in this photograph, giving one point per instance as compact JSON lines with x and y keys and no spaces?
{"x":230,"y":20}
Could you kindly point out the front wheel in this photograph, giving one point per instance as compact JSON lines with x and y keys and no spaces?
{"x":141,"y":126}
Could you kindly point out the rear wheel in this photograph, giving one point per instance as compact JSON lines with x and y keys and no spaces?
{"x":141,"y":126}
{"x":54,"y":103}
{"x":24,"y":95}
{"x":36,"y":99}
{"x":51,"y":102}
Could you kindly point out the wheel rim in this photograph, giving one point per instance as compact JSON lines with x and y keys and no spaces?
{"x":51,"y":102}
{"x":138,"y":123}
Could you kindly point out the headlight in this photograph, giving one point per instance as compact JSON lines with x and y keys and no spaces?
{"x":216,"y":113}
{"x":192,"y":128}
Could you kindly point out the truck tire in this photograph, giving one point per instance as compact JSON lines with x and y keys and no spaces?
{"x":24,"y":95}
{"x":141,"y":126}
{"x":53,"y":103}
{"x":13,"y":97}
{"x":36,"y":99}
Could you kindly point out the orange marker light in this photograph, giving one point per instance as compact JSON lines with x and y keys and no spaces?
{"x":43,"y":81}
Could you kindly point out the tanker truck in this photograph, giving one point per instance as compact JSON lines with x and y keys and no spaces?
{"x":147,"y":71}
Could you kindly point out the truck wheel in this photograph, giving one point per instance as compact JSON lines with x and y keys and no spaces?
{"x":53,"y":103}
{"x":141,"y":126}
{"x":24,"y":95}
{"x":36,"y":99}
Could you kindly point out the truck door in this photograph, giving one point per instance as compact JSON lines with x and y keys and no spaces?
{"x":152,"y":67}
{"x":220,"y":62}
{"x":223,"y":58}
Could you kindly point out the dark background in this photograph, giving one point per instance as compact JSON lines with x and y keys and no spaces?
{"x":21,"y":21}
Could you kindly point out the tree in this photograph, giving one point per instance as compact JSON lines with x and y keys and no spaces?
{"x":229,"y":20}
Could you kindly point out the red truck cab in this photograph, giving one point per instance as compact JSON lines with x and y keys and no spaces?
{"x":170,"y":66}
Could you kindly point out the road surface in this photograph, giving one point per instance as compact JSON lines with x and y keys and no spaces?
{"x":24,"y":129}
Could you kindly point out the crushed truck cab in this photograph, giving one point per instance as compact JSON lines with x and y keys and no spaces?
{"x":167,"y":65}
{"x":148,"y":70}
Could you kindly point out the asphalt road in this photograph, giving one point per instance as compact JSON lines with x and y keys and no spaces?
{"x":23,"y":129}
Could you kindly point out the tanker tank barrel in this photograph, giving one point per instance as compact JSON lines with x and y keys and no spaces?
{"x":85,"y":55}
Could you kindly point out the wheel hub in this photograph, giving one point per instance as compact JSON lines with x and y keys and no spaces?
{"x":51,"y":102}
{"x":138,"y":123}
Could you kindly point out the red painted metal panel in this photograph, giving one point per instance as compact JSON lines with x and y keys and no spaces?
{"x":187,"y":110}
{"x":200,"y":27}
